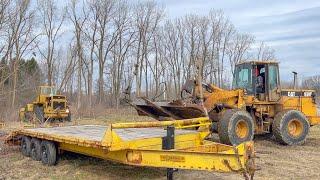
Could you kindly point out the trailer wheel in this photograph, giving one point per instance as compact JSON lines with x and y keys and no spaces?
{"x":235,"y":126}
{"x":35,"y":149}
{"x":290,"y":127}
{"x":25,"y":145}
{"x":48,"y":153}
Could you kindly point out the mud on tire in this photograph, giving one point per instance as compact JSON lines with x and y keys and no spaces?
{"x":35,"y":149}
{"x":290,"y":127}
{"x":25,"y":145}
{"x":235,"y":126}
{"x":48,"y":153}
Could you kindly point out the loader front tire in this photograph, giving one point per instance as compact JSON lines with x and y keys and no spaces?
{"x":235,"y":127}
{"x":48,"y":153}
{"x":290,"y":127}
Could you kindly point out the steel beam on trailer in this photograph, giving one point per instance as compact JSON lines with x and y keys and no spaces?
{"x":167,"y":144}
{"x":176,"y":123}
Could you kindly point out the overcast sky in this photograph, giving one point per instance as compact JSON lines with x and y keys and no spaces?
{"x":291,"y":27}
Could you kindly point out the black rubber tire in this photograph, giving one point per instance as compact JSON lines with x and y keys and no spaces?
{"x":280,"y":127}
{"x":48,"y":153}
{"x":35,"y":149}
{"x":25,"y":145}
{"x":39,"y":113}
{"x":227,"y":126}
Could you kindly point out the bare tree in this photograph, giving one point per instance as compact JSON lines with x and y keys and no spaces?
{"x":51,"y":22}
{"x":147,"y":19}
{"x":237,"y":48}
{"x":105,"y":37}
{"x":19,"y":38}
{"x":123,"y":42}
{"x":265,"y":53}
{"x":78,"y":21}
{"x":90,"y":35}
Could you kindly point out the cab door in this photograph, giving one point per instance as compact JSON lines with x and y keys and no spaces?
{"x":273,"y":82}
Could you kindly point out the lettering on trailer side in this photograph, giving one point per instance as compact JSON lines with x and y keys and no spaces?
{"x":172,"y":158}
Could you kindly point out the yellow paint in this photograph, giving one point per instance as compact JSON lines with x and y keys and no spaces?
{"x":196,"y":159}
{"x":242,"y":129}
{"x":295,"y":128}
{"x":191,"y":150}
{"x":46,"y":100}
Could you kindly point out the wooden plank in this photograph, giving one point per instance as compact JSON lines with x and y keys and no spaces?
{"x":89,"y":132}
{"x":144,"y":133}
{"x":96,"y":133}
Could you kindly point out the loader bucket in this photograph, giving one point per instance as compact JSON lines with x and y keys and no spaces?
{"x":167,"y":110}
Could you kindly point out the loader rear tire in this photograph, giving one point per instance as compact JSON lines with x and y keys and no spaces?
{"x":48,"y":153}
{"x":290,"y":127}
{"x":25,"y":146}
{"x":235,"y":127}
{"x":35,"y":149}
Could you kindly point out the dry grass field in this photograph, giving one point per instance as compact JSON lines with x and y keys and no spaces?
{"x":276,"y":161}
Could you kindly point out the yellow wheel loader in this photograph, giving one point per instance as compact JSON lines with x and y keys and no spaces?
{"x":48,"y":106}
{"x":256,"y":105}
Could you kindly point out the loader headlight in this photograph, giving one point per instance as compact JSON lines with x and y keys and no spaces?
{"x":67,"y":110}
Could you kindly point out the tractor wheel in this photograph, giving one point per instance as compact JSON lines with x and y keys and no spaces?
{"x":38,"y":111}
{"x":48,"y":153}
{"x":35,"y":149}
{"x":290,"y":127}
{"x":235,"y":126}
{"x":25,"y":146}
{"x":28,"y":117}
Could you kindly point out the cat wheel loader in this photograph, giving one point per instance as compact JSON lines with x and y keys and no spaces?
{"x":48,"y":106}
{"x":256,"y":105}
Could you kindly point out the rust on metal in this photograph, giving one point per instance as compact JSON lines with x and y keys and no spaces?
{"x":152,"y":104}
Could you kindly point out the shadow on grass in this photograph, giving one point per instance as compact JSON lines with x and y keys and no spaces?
{"x":104,"y":168}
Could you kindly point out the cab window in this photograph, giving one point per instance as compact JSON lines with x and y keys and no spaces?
{"x":273,"y":77}
{"x":243,"y":78}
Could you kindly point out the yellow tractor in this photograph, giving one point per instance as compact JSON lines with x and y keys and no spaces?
{"x":256,"y":105}
{"x":48,"y":106}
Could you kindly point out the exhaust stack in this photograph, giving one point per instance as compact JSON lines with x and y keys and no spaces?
{"x":295,"y":75}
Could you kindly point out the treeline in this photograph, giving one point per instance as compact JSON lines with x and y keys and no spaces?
{"x":93,"y":51}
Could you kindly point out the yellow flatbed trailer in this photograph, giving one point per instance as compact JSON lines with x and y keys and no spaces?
{"x":165,"y":144}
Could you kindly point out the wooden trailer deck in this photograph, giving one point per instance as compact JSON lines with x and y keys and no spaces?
{"x":95,"y":133}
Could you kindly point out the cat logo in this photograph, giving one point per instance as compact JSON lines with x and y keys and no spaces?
{"x":291,"y":93}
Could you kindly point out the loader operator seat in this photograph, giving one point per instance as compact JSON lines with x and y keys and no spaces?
{"x":260,"y":83}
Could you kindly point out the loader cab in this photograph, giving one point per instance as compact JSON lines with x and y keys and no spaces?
{"x":259,"y":79}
